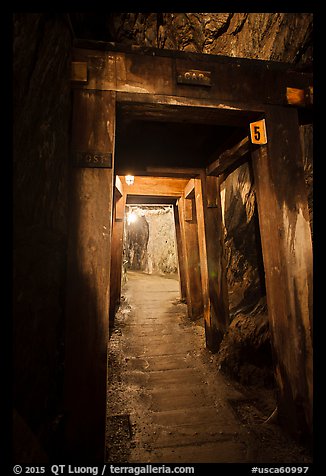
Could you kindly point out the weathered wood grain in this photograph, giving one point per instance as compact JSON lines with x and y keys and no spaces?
{"x":88,"y":278}
{"x":212,"y":265}
{"x":156,"y":186}
{"x":287,"y":253}
{"x":117,"y":249}
{"x":181,"y":256}
{"x":147,"y":72}
{"x":229,"y":158}
{"x":189,"y":238}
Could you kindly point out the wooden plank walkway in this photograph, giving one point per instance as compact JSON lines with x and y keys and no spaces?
{"x":177,"y":408}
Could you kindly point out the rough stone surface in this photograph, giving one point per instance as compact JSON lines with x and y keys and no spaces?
{"x":150,"y":241}
{"x":245,"y":353}
{"x":276,"y":36}
{"x":245,"y":271}
{"x":136,"y":241}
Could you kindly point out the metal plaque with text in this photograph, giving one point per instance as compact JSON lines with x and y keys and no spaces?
{"x":93,"y":159}
{"x":194,"y":77}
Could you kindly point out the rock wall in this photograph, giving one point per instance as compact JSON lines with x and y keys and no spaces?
{"x":42,"y":110}
{"x":276,"y":36}
{"x":150,"y":241}
{"x":245,"y":269}
{"x":245,"y":351}
{"x":136,"y":242}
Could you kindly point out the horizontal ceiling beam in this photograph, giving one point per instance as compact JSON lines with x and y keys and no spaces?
{"x":229,"y":158}
{"x":173,"y":172}
{"x":155,"y":186}
{"x":150,"y":201}
{"x":251,"y":82}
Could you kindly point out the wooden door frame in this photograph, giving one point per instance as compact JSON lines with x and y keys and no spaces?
{"x":237,"y":87}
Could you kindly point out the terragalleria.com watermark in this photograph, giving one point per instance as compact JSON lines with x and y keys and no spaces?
{"x":61,"y":469}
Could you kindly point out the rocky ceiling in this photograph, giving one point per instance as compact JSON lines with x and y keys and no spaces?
{"x":268,"y":36}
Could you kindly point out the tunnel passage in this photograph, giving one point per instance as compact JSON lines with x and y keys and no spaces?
{"x":151,"y":116}
{"x":169,"y":143}
{"x":174,"y":144}
{"x":139,"y":326}
{"x":63,"y":212}
{"x":166,"y":401}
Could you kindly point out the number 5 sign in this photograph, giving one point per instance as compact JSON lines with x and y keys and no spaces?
{"x":258,"y":132}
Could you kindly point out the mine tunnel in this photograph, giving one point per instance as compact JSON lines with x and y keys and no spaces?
{"x":162,"y":243}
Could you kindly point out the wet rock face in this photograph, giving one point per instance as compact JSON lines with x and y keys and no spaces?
{"x":161,"y":249}
{"x":276,"y":36}
{"x":150,"y":241}
{"x":245,"y":269}
{"x":136,"y":244}
{"x":245,"y":353}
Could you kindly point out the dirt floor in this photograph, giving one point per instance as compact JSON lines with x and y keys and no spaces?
{"x":168,"y":403}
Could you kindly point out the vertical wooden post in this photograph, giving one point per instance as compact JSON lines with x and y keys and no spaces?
{"x":181,"y":256}
{"x":116,"y":253}
{"x":180,"y":206}
{"x":187,"y":215}
{"x":287,"y":253}
{"x":88,"y":283}
{"x":213,"y":273}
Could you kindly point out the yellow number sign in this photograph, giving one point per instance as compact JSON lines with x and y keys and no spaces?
{"x":258,"y":132}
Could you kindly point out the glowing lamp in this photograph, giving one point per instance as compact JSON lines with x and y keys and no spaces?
{"x":129,"y":179}
{"x":131,"y":217}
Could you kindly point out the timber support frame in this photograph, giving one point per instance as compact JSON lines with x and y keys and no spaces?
{"x":104,"y":74}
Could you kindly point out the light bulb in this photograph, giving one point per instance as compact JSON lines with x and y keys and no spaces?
{"x":131,"y":217}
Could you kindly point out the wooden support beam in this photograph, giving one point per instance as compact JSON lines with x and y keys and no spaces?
{"x":181,"y":256}
{"x":118,"y":186}
{"x":229,"y":158}
{"x":88,"y":280}
{"x":188,"y":209}
{"x":300,"y":97}
{"x":189,"y":191}
{"x":212,"y":263}
{"x":190,"y":245}
{"x":287,"y":254}
{"x":119,"y":205}
{"x":116,"y":255}
{"x":173,"y":172}
{"x":231,"y":79}
{"x":187,"y":109}
{"x":119,"y":209}
{"x":181,"y":215}
{"x":155,"y":186}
